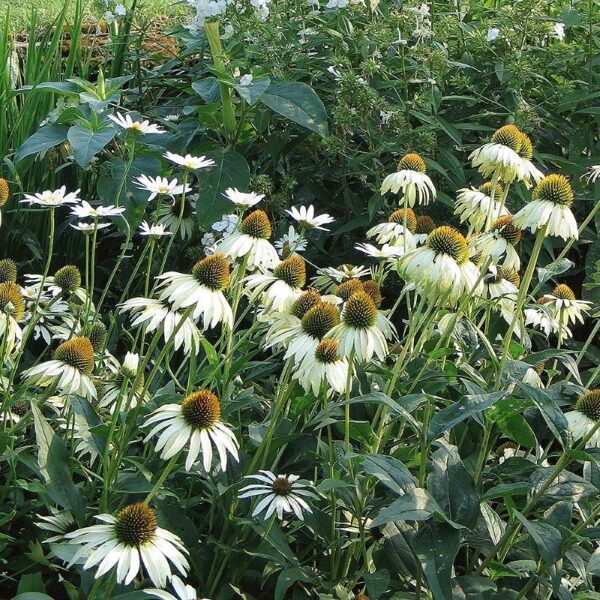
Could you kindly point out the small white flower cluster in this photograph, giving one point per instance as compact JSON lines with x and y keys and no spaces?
{"x":222,"y":228}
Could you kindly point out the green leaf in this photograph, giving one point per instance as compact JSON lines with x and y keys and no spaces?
{"x":377,"y":583}
{"x":389,"y":471}
{"x":207,"y":89}
{"x":43,"y":139}
{"x":252,"y":93}
{"x":436,"y":546}
{"x":298,"y":102}
{"x":287,"y":578}
{"x":87,"y":142}
{"x":457,"y":412}
{"x":415,"y":505}
{"x":547,"y":539}
{"x":53,"y":460}
{"x":230,"y":170}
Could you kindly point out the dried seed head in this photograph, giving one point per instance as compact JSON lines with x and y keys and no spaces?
{"x":8,"y":270}
{"x":68,"y":278}
{"x":360,"y":311}
{"x":20,"y":408}
{"x":563,"y":292}
{"x":589,"y":404}
{"x":347,"y":288}
{"x":327,"y":351}
{"x":320,"y":319}
{"x":504,"y":226}
{"x":372,"y":288}
{"x":212,"y":271}
{"x":412,"y":162}
{"x":554,"y":188}
{"x":446,"y":240}
{"x":78,"y":353}
{"x":98,"y":336}
{"x":292,"y":271}
{"x":135,"y":525}
{"x":201,"y":410}
{"x":257,"y":225}
{"x":398,"y":217}
{"x":509,"y":136}
{"x":11,"y":300}
{"x":425,"y":224}
{"x":308,"y":299}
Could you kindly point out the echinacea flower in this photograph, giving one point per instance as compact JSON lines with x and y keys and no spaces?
{"x":251,"y":239}
{"x":85,"y":209}
{"x":111,"y":389}
{"x":178,"y":217}
{"x":305,"y":217}
{"x":503,"y":288}
{"x":328,"y":277}
{"x":363,"y":329}
{"x":154,"y":314}
{"x":543,"y":316}
{"x":202,"y":289}
{"x":425,"y":225}
{"x":477,"y":207}
{"x":193,"y":163}
{"x":135,"y":127}
{"x":281,"y":288}
{"x":154,"y":231}
{"x":70,"y":370}
{"x":281,"y":494}
{"x":59,"y":523}
{"x":52,"y":199}
{"x":16,"y":411}
{"x":129,"y":541}
{"x":8,"y":270}
{"x":290,"y":242}
{"x":197,"y":422}
{"x":441,"y":269}
{"x":385,"y":252}
{"x":182,"y":591}
{"x":526,"y":154}
{"x":161,"y":186}
{"x":393,"y":232}
{"x":89,"y":228}
{"x":585,"y":416}
{"x":244,"y":199}
{"x":592,"y":174}
{"x":411,"y":179}
{"x":12,"y":310}
{"x":65,"y":282}
{"x":550,"y":207}
{"x":568,"y":308}
{"x":324,"y":365}
{"x":499,"y":243}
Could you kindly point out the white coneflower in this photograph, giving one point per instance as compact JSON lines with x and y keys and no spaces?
{"x":202,"y":289}
{"x":477,"y":207}
{"x":190,"y":162}
{"x":532,"y":375}
{"x":592,"y":174}
{"x":58,"y":523}
{"x":154,"y":231}
{"x":305,"y":217}
{"x":135,"y":127}
{"x":85,"y":209}
{"x":503,"y":288}
{"x":153,"y":314}
{"x":66,"y":282}
{"x":425,"y":225}
{"x":252,"y":240}
{"x":8,"y":270}
{"x":526,"y":154}
{"x":499,"y":243}
{"x":177,"y":216}
{"x":324,"y":365}
{"x":328,"y":277}
{"x":243,"y":199}
{"x":543,"y":316}
{"x":89,"y":228}
{"x":281,"y":494}
{"x":499,"y":159}
{"x":585,"y":417}
{"x":281,"y":288}
{"x":182,"y":591}
{"x":70,"y":369}
{"x":411,"y":179}
{"x":441,"y":269}
{"x":16,"y":411}
{"x":385,"y":252}
{"x":362,"y":330}
{"x":290,"y":242}
{"x":12,"y":310}
{"x":160,"y":186}
{"x":550,"y":207}
{"x":197,"y":422}
{"x":392,"y":232}
{"x":568,"y":308}
{"x":111,"y":389}
{"x":52,"y":199}
{"x":49,"y":315}
{"x":129,"y":541}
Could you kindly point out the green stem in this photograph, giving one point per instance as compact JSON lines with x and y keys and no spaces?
{"x":163,"y":476}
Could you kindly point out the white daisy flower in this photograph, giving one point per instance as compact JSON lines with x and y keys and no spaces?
{"x":197,"y":421}
{"x":281,"y":494}
{"x":363,"y":329}
{"x":252,"y":239}
{"x":88,"y":228}
{"x":85,"y":209}
{"x":190,"y":162}
{"x":585,"y":417}
{"x":52,"y":199}
{"x":155,"y":231}
{"x":441,"y":269}
{"x":172,"y":217}
{"x":281,"y":288}
{"x":328,"y":277}
{"x":592,"y":174}
{"x":306,"y":217}
{"x":477,"y":207}
{"x":202,"y":289}
{"x":568,"y":309}
{"x":499,"y":243}
{"x":132,"y":542}
{"x":290,"y":242}
{"x":66,"y":281}
{"x":136,"y":127}
{"x":182,"y":591}
{"x":393,"y":232}
{"x":70,"y":370}
{"x":503,"y":287}
{"x":385,"y":252}
{"x":410,"y":179}
{"x":543,"y":316}
{"x":324,"y":365}
{"x":161,"y":186}
{"x":244,"y":199}
{"x":153,"y":314}
{"x":59,"y":523}
{"x":551,"y":207}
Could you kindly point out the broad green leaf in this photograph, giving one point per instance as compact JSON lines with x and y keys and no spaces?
{"x":547,"y":539}
{"x":389,"y":471}
{"x":298,"y":102}
{"x":287,"y":578}
{"x":230,"y":170}
{"x":64,"y":88}
{"x":207,"y":89}
{"x":43,"y":139}
{"x":377,"y":583}
{"x":416,"y":505}
{"x":436,"y":546}
{"x":251,"y":93}
{"x":53,"y":461}
{"x":87,"y":143}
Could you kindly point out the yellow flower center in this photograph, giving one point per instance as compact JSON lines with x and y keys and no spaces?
{"x":509,"y":136}
{"x":309,"y":299}
{"x":11,"y":300}
{"x":360,"y":311}
{"x":446,"y":240}
{"x":425,"y":224}
{"x":327,"y":351}
{"x":563,"y":292}
{"x":589,"y":405}
{"x":78,"y":353}
{"x":257,"y":225}
{"x":320,"y":319}
{"x":201,"y":410}
{"x":411,"y":220}
{"x":212,"y":272}
{"x":347,"y":288}
{"x":68,"y":278}
{"x":135,"y":525}
{"x":8,"y":270}
{"x":412,"y":162}
{"x":503,"y":225}
{"x":554,"y":188}
{"x":292,"y":271}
